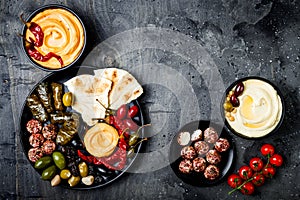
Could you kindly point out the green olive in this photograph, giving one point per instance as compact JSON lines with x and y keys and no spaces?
{"x":59,"y":159}
{"x":83,"y":169}
{"x":49,"y":172}
{"x":65,"y":174}
{"x":228,"y":106}
{"x":74,"y":180}
{"x":67,"y":99}
{"x":43,"y":162}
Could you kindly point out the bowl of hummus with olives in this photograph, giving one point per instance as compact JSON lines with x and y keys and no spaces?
{"x":53,"y":37}
{"x":253,"y":107}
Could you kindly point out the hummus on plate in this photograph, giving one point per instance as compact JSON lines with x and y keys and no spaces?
{"x":259,"y":111}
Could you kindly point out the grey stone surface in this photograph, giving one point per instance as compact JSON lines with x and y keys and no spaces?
{"x":238,"y":37}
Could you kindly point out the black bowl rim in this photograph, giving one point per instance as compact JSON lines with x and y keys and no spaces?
{"x":124,"y":171}
{"x":230,"y":129}
{"x":34,"y":13}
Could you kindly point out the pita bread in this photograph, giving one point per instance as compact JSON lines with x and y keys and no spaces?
{"x":86,"y":89}
{"x":125,"y":87}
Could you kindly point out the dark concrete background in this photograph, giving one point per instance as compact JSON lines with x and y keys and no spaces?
{"x":243,"y":38}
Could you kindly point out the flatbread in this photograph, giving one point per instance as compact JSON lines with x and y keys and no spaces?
{"x":125,"y":87}
{"x":86,"y":89}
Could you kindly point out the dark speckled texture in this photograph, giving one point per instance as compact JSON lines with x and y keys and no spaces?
{"x":243,"y":38}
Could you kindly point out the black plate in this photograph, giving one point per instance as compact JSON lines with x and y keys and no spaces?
{"x":61,"y":77}
{"x":232,"y":86}
{"x":194,"y":178}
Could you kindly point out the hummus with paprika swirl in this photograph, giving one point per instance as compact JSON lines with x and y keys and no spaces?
{"x":259,"y":111}
{"x":63,"y":35}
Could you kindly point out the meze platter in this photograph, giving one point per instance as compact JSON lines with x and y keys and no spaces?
{"x":81,"y":128}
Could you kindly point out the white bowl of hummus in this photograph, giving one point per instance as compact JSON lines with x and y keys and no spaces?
{"x":64,"y":36}
{"x":253,"y":107}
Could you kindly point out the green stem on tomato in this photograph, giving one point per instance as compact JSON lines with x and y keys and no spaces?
{"x":248,"y":180}
{"x":239,"y":187}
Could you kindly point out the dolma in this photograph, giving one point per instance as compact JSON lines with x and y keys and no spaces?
{"x":45,"y":96}
{"x":36,"y":108}
{"x":59,"y":118}
{"x":57,"y":93}
{"x":67,"y":131}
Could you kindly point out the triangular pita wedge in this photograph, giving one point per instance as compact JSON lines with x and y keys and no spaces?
{"x":125,"y":87}
{"x":86,"y":89}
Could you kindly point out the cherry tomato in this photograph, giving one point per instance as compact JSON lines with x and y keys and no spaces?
{"x":245,"y":172}
{"x":130,"y":124}
{"x":258,"y":179}
{"x":269,"y":171}
{"x":234,"y":180}
{"x":248,"y":188}
{"x":122,"y":111}
{"x":276,"y":160}
{"x":256,"y":164}
{"x":267,"y":150}
{"x":133,"y":111}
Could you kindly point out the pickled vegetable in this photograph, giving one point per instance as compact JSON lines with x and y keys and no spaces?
{"x":133,"y":139}
{"x":45,"y":96}
{"x":67,"y":99}
{"x":36,"y":108}
{"x":49,"y":172}
{"x":65,"y":174}
{"x":55,"y":181}
{"x":57,"y":91}
{"x":89,"y":180}
{"x":74,"y":180}
{"x":43,"y":162}
{"x":83,"y":169}
{"x":59,"y":159}
{"x":228,"y":106}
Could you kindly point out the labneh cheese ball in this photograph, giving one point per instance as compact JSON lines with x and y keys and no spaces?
{"x":34,"y":126}
{"x":34,"y":154}
{"x":210,"y":135}
{"x":184,"y":138}
{"x":186,"y":166}
{"x":36,"y":139}
{"x":49,"y":131}
{"x":188,"y":152}
{"x":199,"y":164}
{"x":48,"y":147}
{"x":212,"y":172}
{"x":201,"y":147}
{"x":197,"y":135}
{"x":222,"y":145}
{"x":213,"y":157}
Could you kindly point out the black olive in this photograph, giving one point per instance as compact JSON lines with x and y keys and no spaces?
{"x":74,"y":170}
{"x":76,"y":143}
{"x":91,"y":170}
{"x":98,"y":179}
